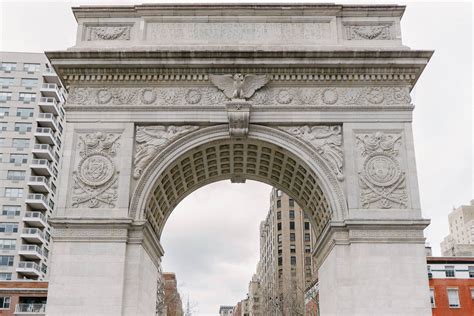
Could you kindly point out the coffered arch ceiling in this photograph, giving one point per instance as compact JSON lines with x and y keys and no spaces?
{"x":236,"y":159}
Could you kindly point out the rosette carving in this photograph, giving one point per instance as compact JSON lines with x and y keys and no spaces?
{"x":96,"y":176}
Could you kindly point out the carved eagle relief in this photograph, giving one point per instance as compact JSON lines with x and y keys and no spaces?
{"x":239,"y":86}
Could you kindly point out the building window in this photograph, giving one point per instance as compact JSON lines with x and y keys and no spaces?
{"x":6,"y":261}
{"x":16,"y":175}
{"x":472,"y":294}
{"x":307,"y":261}
{"x":11,"y":210}
{"x":22,"y":127}
{"x":5,"y":302}
{"x":279,"y":215}
{"x":307,"y":248}
{"x":279,"y":226}
{"x":27,"y":97}
{"x":8,"y":244}
{"x":3,"y":126}
{"x":5,"y":96}
{"x":8,"y":227}
{"x":20,"y":143}
{"x":307,"y":237}
{"x":292,"y":248}
{"x":29,"y":67}
{"x":6,"y":66}
{"x":471,"y":271}
{"x":453,"y":298}
{"x":292,"y":237}
{"x":18,"y":158}
{"x":5,"y":276}
{"x":278,"y":203}
{"x":279,"y":238}
{"x":306,"y":225}
{"x":24,"y":112}
{"x":13,"y":192}
{"x":432,"y":298}
{"x":280,"y":249}
{"x":292,"y":214}
{"x":5,"y":82}
{"x":449,"y":270}
{"x":292,"y":225}
{"x":29,"y":82}
{"x":280,"y":261}
{"x":291,"y":202}
{"x":293,"y":260}
{"x":278,"y":193}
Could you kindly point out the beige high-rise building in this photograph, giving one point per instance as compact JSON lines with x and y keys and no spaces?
{"x":460,"y":241}
{"x":284,"y":269}
{"x":31,"y":133}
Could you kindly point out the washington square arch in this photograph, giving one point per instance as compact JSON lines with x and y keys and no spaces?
{"x":313,"y":99}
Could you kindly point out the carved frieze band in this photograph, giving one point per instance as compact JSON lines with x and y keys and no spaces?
{"x":326,"y":140}
{"x":381,"y":177}
{"x":310,"y":96}
{"x":150,"y":140}
{"x":108,"y":32}
{"x":96,"y":176}
{"x":369,"y":32}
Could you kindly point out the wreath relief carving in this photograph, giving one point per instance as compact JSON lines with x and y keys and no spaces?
{"x":150,"y":140}
{"x":327,"y":140}
{"x":96,"y":176}
{"x":382,"y":180}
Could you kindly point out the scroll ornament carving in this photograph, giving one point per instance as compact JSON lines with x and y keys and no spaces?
{"x":327,"y":140}
{"x":96,"y":177}
{"x":109,"y":33}
{"x":311,"y":96}
{"x":150,"y":140}
{"x":381,"y":179}
{"x":368,"y":32}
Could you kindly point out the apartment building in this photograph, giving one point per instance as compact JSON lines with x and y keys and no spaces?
{"x":226,"y":310}
{"x":451,"y":281}
{"x":32,"y":119}
{"x":172,"y":300}
{"x":284,"y":270}
{"x":460,"y":241}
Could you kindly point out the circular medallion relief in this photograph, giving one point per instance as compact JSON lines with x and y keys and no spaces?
{"x":148,"y":96}
{"x":382,"y":170}
{"x":284,"y":97}
{"x":193,"y":96}
{"x":375,"y":95}
{"x":96,"y":169}
{"x":103,"y":96}
{"x":330,"y":96}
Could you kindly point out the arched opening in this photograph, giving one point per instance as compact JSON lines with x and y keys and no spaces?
{"x":209,"y":155}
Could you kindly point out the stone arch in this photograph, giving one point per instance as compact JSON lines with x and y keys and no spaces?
{"x":268,"y":155}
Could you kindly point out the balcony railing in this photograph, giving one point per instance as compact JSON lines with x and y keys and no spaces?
{"x":30,"y":308}
{"x":42,"y":167}
{"x":39,"y":183}
{"x":31,"y":252}
{"x":33,"y":231}
{"x":49,"y":104}
{"x":47,"y":119}
{"x":43,"y":151}
{"x":39,"y":179}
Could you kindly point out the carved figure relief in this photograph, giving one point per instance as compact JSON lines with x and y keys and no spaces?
{"x":96,"y":176}
{"x":150,"y":140}
{"x":109,"y":33}
{"x":311,"y":96}
{"x":368,"y":32}
{"x":327,"y":140}
{"x":238,"y":86}
{"x":381,"y":177}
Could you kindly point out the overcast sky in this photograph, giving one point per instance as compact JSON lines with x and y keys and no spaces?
{"x":211,"y":239}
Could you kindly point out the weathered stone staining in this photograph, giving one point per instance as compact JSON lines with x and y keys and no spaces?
{"x":312,"y":99}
